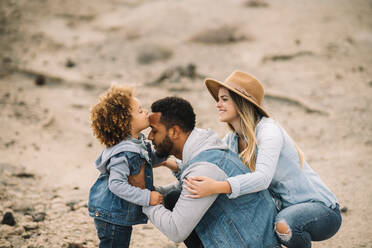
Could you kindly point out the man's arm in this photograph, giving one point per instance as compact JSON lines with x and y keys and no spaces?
{"x":186,"y":214}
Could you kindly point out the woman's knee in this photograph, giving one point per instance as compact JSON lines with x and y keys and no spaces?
{"x":283,"y":230}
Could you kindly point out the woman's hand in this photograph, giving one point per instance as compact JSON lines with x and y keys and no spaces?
{"x":204,"y":186}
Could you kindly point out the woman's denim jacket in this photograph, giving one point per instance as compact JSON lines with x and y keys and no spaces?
{"x":122,"y":160}
{"x":290,"y":182}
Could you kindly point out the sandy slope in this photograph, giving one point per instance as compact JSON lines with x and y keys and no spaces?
{"x":316,"y":52}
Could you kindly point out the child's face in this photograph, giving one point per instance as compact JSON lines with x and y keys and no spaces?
{"x":140,"y":117}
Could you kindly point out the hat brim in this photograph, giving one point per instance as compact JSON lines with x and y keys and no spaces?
{"x":213,"y":87}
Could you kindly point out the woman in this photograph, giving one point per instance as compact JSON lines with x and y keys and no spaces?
{"x":308,"y":209}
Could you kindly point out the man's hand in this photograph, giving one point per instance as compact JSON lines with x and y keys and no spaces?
{"x":170,"y":163}
{"x":139,"y":179}
{"x":155,"y":198}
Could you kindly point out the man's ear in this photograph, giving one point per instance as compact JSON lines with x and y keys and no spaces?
{"x":174,"y":132}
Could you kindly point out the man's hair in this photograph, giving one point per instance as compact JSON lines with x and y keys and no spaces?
{"x":175,"y":111}
{"x":111,"y":116}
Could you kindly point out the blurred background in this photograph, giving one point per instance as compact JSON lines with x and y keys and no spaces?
{"x":56,"y":57}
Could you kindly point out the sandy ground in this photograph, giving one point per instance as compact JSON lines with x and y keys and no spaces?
{"x":56,"y":57}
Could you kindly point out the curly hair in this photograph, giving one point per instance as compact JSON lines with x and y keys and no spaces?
{"x":175,"y":111}
{"x":111,"y":116}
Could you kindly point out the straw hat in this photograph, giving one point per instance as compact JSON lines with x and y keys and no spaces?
{"x":243,"y":84}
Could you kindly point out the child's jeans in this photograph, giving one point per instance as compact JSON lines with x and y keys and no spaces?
{"x":112,"y":236}
{"x":310,"y":221}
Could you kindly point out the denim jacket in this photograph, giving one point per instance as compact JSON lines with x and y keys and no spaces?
{"x":220,"y":222}
{"x":246,"y":221}
{"x":112,"y":198}
{"x":278,"y":168}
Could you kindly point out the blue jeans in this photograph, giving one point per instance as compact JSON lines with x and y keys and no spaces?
{"x":112,"y":236}
{"x":310,"y":221}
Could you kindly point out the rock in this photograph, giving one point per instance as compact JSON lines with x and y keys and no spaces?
{"x":39,"y":216}
{"x":70,"y":63}
{"x":40,"y":80}
{"x":344,"y":209}
{"x":5,"y":244}
{"x":30,"y":226}
{"x":26,"y":236}
{"x":175,"y":74}
{"x":24,"y":175}
{"x":220,"y":35}
{"x":5,"y":230}
{"x":256,"y":4}
{"x":73,"y":205}
{"x":18,"y":231}
{"x":75,"y":245}
{"x":153,"y":53}
{"x":7,"y":60}
{"x":8,"y":219}
{"x":338,"y":76}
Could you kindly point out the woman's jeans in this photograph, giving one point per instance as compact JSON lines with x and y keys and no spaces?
{"x":311,"y":221}
{"x":112,"y":236}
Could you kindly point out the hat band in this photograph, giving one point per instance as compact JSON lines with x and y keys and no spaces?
{"x":243,"y":91}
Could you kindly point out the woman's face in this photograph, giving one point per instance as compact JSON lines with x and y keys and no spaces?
{"x":226,"y":107}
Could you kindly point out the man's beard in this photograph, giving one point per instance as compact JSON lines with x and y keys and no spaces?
{"x":164,"y":148}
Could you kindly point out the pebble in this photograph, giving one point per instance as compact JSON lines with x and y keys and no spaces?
{"x":39,"y":216}
{"x":5,"y":244}
{"x":344,"y":210}
{"x":30,"y":226}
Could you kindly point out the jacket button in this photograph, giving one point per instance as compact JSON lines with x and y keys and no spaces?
{"x":97,"y":214}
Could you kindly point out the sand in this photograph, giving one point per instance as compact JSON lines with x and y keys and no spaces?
{"x":313,"y":58}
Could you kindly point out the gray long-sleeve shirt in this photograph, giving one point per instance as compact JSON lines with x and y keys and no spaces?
{"x":278,"y":168}
{"x":179,"y":223}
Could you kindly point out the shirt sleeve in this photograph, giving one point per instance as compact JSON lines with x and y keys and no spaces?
{"x":165,"y":189}
{"x":269,"y":145}
{"x":186,"y":214}
{"x":118,"y":183}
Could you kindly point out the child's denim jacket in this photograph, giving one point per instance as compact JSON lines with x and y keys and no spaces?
{"x":112,"y":198}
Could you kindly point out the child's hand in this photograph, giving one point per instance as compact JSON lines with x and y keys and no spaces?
{"x":171,"y":164}
{"x":155,"y":198}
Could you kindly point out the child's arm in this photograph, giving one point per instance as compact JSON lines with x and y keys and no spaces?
{"x":119,"y":185}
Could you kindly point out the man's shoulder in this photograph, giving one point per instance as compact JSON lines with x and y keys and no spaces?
{"x":204,"y":168}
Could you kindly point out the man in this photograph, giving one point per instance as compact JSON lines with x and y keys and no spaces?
{"x":246,"y":221}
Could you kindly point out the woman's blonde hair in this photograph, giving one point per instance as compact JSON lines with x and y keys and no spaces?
{"x":249,"y":118}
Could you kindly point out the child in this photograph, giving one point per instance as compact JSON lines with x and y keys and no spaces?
{"x":126,"y":180}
